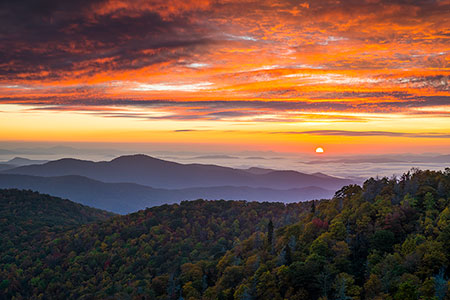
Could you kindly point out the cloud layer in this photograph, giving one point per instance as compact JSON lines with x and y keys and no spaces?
{"x":274,"y":61}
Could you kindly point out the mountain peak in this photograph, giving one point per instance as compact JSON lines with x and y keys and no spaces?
{"x":135,"y":157}
{"x":22,"y":161}
{"x":17,"y":159}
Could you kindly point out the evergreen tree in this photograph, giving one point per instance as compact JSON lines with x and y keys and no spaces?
{"x":288,"y":255}
{"x":270,"y":233}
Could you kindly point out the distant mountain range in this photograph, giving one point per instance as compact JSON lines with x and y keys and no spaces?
{"x":157,"y":173}
{"x":21,"y":161}
{"x":129,"y":197}
{"x":130,"y":183}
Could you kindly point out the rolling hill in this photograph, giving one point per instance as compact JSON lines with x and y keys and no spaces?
{"x":26,"y":216}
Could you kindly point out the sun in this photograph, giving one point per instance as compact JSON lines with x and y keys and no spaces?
{"x":319,"y":150}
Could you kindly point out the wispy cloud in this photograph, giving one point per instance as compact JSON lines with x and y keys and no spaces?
{"x":369,"y":133}
{"x":189,"y":87}
{"x":274,"y":61}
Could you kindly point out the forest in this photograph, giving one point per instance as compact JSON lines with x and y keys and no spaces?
{"x":386,"y":239}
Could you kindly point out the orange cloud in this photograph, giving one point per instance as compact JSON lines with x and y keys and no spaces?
{"x":273,"y":62}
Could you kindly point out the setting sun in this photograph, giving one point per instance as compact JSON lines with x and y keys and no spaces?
{"x":319,"y":150}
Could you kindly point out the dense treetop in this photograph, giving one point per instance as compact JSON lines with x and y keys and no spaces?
{"x":388,"y":239}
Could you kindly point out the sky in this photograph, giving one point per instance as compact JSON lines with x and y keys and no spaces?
{"x":353,"y":77}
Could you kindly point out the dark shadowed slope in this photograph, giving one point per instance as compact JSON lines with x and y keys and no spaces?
{"x":146,"y":170}
{"x":32,"y":207}
{"x":130,"y":197}
{"x":27,"y":215}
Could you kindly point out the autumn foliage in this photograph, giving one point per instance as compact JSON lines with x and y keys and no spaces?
{"x":388,"y":239}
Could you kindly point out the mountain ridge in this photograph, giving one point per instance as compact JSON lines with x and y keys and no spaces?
{"x":158,"y":173}
{"x":130,"y":197}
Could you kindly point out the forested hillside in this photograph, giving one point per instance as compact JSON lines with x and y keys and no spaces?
{"x":389,"y":239}
{"x":27,"y":218}
{"x":133,"y":254}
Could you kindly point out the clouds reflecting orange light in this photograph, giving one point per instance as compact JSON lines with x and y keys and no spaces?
{"x":289,"y":73}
